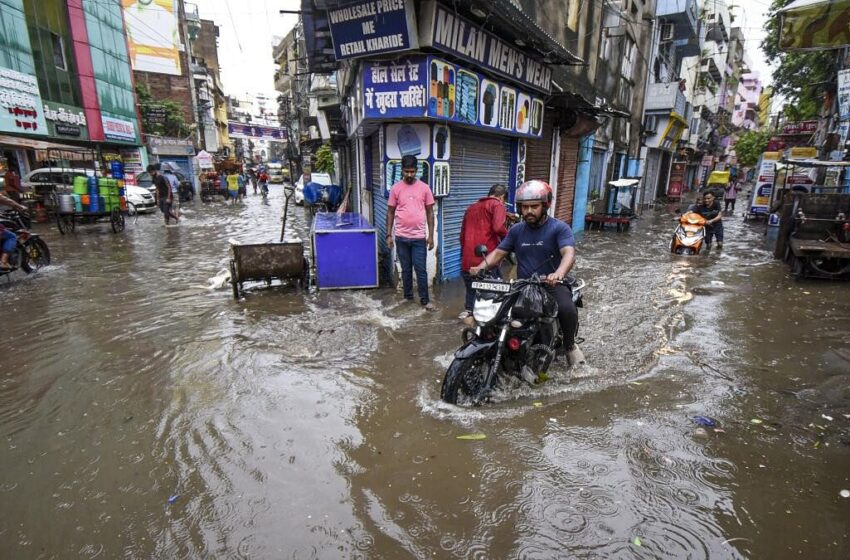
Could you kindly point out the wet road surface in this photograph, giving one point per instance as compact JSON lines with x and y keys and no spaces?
{"x":145,"y":414}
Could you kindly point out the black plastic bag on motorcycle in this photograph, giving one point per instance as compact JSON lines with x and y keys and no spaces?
{"x":533,"y":301}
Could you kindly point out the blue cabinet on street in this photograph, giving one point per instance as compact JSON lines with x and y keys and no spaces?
{"x":345,"y":249}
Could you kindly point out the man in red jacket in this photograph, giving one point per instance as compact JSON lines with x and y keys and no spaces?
{"x":483,"y":224}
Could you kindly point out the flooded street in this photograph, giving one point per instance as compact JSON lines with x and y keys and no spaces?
{"x":146,"y":414}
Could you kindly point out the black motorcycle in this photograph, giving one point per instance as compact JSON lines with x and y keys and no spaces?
{"x":31,"y":252}
{"x":517,"y":333}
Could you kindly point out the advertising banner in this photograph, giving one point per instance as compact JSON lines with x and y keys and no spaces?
{"x":801,"y":128}
{"x":255,"y":132}
{"x":444,"y":30}
{"x":433,"y":88}
{"x":375,"y":27}
{"x":166,"y":146}
{"x":844,"y":95}
{"x":764,"y":185}
{"x":20,"y":103}
{"x":153,"y":35}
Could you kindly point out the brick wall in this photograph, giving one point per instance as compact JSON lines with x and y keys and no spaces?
{"x":169,"y":88}
{"x":567,"y":167}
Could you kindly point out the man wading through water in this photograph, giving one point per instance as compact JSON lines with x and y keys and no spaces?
{"x":544,"y":246}
{"x":410,"y":206}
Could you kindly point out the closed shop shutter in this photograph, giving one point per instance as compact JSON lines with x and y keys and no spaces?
{"x":379,"y":200}
{"x":538,"y":159}
{"x":477,"y":162}
{"x":567,"y":167}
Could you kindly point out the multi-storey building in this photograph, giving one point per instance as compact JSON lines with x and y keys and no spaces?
{"x":68,"y":90}
{"x":678,"y":37}
{"x":747,"y":103}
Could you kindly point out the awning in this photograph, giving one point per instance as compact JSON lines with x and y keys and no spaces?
{"x":815,"y":163}
{"x":814,"y":25}
{"x":33,"y":144}
{"x":510,"y":16}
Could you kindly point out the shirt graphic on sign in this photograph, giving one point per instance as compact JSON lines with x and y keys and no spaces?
{"x":410,"y":202}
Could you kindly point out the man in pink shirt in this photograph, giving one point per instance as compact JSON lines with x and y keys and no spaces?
{"x":411,"y":204}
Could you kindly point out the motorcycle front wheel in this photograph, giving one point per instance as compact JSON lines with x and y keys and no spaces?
{"x":38,"y":255}
{"x":465,"y":380}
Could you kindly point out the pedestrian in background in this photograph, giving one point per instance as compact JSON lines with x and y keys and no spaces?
{"x":409,"y":209}
{"x":12,"y":183}
{"x":484,"y":223}
{"x":234,"y":184}
{"x":174,"y":183}
{"x":731,"y":194}
{"x":162,"y":193}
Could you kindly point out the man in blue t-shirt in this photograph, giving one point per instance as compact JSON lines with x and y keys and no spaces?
{"x":544,"y":246}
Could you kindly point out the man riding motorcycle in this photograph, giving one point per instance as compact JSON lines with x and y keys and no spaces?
{"x":544,"y":246}
{"x":8,"y":240}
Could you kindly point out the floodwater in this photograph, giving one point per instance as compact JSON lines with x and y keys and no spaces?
{"x":144,"y":413}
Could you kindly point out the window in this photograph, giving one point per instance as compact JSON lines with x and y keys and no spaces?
{"x":58,"y":52}
{"x":628,"y":58}
{"x":605,"y":51}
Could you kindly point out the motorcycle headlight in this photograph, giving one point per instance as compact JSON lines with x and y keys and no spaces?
{"x":485,"y":310}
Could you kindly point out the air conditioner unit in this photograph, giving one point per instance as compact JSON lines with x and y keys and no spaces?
{"x":650,"y":125}
{"x":668,"y":31}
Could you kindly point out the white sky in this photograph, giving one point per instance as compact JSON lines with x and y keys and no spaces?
{"x":247,"y":28}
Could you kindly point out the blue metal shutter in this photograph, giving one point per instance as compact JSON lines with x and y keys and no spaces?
{"x":379,"y":200}
{"x":478,"y":161}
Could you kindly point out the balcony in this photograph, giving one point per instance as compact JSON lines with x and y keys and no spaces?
{"x":707,"y":100}
{"x":719,"y":23}
{"x":682,"y":14}
{"x":282,"y":81}
{"x":666,"y":97}
{"x":713,"y":61}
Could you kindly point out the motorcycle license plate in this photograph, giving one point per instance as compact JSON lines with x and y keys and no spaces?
{"x":491,"y":286}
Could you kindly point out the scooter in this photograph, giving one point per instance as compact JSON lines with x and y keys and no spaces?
{"x":689,"y":235}
{"x":33,"y":250}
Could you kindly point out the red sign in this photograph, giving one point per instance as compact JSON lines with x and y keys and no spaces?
{"x":803,"y":127}
{"x":677,"y":180}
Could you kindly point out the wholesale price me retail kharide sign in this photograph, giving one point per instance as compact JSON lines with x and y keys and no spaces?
{"x":375,"y":27}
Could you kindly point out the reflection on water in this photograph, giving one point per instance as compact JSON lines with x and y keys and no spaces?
{"x":145,"y":413}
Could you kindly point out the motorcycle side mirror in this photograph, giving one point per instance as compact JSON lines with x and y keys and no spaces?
{"x":481,"y":251}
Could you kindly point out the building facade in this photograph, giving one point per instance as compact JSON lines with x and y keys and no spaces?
{"x":68,"y":86}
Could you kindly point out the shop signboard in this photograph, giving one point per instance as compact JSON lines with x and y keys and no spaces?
{"x":395,"y":89}
{"x":429,"y":87}
{"x":800,"y":128}
{"x":255,"y":131}
{"x":164,"y":146}
{"x":65,"y":121}
{"x":118,"y":129}
{"x":677,"y":179}
{"x":443,"y":29}
{"x":373,"y":27}
{"x":20,"y":103}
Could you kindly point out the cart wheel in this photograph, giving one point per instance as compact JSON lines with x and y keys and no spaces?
{"x":305,"y":275}
{"x":65,"y":223}
{"x":131,"y":209}
{"x":233,"y":282}
{"x":60,"y":223}
{"x":117,"y":219}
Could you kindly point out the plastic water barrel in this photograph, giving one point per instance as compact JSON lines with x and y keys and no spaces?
{"x":78,"y":203}
{"x":66,"y":204}
{"x":122,"y":191}
{"x":117,"y":169}
{"x":93,"y":204}
{"x":80,"y":185}
{"x":122,"y":203}
{"x":91,"y":183}
{"x":101,"y":204}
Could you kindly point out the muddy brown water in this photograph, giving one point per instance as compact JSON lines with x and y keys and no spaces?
{"x":145,"y":416}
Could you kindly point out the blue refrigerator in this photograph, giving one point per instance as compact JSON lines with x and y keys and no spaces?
{"x":345,"y":251}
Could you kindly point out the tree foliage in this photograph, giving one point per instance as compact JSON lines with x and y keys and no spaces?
{"x":161,"y":118}
{"x":750,"y":146}
{"x":325,"y":159}
{"x":800,"y":77}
